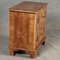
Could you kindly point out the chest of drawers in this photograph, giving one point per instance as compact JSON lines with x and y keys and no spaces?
{"x":27,"y":27}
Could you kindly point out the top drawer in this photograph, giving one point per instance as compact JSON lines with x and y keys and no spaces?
{"x":42,"y":12}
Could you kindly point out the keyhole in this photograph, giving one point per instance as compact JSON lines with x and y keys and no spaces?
{"x":38,"y":19}
{"x":37,"y":38}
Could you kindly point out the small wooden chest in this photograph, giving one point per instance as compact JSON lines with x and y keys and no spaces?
{"x":27,"y":27}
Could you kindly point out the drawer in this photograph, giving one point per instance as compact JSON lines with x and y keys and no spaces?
{"x":41,"y":22}
{"x":42,"y":12}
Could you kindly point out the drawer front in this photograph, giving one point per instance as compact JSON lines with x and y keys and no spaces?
{"x":41,"y":23}
{"x":40,"y":29}
{"x":42,"y":12}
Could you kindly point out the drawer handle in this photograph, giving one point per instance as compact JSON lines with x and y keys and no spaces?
{"x":38,"y":19}
{"x":37,"y":38}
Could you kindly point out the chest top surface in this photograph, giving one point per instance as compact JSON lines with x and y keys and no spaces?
{"x":28,"y":6}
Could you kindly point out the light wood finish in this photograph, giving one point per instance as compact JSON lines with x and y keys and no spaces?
{"x":27,"y":27}
{"x":33,"y":54}
{"x":11,"y":47}
{"x":30,"y":7}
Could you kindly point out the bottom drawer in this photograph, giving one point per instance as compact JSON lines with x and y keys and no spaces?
{"x":40,"y":40}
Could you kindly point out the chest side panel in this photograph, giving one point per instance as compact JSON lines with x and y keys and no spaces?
{"x":24,"y":31}
{"x":21,"y":30}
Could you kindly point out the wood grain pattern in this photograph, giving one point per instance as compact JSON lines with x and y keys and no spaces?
{"x":22,"y":30}
{"x":27,"y":6}
{"x":27,"y":28}
{"x":11,"y":47}
{"x":41,"y":25}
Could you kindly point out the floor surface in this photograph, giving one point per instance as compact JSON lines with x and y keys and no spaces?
{"x":49,"y":51}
